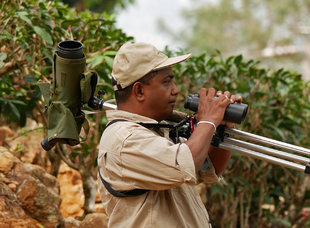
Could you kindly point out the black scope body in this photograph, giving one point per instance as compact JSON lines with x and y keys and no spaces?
{"x":234,"y":113}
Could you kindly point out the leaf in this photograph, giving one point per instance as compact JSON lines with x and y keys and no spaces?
{"x":109,"y":61}
{"x":42,"y":6}
{"x":110,"y":53}
{"x":14,"y":109}
{"x":96,"y":60}
{"x":3,"y":56}
{"x":44,"y":34}
{"x":243,"y":86}
{"x":238,"y":60}
{"x":23,"y":15}
{"x":18,"y":102}
{"x":282,"y":222}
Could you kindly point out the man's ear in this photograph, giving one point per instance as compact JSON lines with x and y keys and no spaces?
{"x":138,"y":91}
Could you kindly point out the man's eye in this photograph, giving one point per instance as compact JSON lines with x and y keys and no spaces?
{"x":167,"y":81}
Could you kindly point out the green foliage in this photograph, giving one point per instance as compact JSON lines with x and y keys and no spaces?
{"x":255,"y":193}
{"x":29,"y":32}
{"x":261,"y":194}
{"x":100,"y":6}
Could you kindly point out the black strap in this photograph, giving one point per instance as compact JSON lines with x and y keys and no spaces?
{"x":131,"y":193}
{"x":147,"y":125}
{"x":114,"y":121}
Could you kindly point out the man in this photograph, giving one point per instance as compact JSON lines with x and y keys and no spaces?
{"x":133,"y":157}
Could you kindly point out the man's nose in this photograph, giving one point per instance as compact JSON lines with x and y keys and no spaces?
{"x":175,"y":90}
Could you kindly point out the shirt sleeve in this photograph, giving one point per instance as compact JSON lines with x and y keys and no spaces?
{"x":207,"y":173}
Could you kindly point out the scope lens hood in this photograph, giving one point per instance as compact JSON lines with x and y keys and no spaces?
{"x":70,"y":49}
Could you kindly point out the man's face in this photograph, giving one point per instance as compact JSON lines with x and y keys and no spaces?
{"x":160,"y":94}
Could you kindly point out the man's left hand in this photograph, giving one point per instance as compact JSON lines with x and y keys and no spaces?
{"x":233,"y":99}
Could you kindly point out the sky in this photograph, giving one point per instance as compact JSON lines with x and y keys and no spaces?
{"x":140,"y":20}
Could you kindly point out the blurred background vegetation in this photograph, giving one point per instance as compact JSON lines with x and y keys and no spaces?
{"x":255,"y":193}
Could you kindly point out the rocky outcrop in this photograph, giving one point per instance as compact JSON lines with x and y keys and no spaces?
{"x":90,"y":221}
{"x":71,"y":187}
{"x":29,"y":195}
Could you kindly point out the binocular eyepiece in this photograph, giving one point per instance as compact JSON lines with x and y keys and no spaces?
{"x":234,"y":113}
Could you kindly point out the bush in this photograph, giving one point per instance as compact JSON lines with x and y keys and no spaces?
{"x":29,"y":33}
{"x":256,"y":193}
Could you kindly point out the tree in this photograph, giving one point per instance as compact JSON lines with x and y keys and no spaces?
{"x":256,"y":193}
{"x":278,"y":99}
{"x":99,"y":6}
{"x":29,"y":31}
{"x":274,"y":32}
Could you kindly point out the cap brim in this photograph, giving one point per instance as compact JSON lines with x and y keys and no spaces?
{"x":171,"y":61}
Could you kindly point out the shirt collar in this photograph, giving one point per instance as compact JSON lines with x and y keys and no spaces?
{"x":120,"y":114}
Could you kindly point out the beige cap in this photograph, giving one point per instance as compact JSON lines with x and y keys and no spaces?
{"x":134,"y":60}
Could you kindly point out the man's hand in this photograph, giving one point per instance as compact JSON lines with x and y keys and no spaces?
{"x":212,"y":108}
{"x":233,"y":99}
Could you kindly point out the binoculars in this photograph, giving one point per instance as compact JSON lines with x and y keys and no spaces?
{"x":234,"y":113}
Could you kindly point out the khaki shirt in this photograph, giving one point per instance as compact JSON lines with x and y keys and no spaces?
{"x":134,"y":157}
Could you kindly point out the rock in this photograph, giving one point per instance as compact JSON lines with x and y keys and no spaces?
{"x":4,"y":133}
{"x":95,"y":220}
{"x":7,"y":160}
{"x":39,"y":202}
{"x":29,"y":196}
{"x":11,"y":212}
{"x":71,"y":188}
{"x":72,"y":223}
{"x":28,"y":149}
{"x":38,"y":173}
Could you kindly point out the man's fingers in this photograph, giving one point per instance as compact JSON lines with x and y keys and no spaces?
{"x":203,"y":93}
{"x":227,"y":93}
{"x":219,"y":93}
{"x":211,"y":92}
{"x":232,"y":98}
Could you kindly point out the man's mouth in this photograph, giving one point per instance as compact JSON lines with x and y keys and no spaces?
{"x":172,"y":102}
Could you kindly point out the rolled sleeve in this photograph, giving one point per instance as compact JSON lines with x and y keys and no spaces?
{"x":208,"y":175}
{"x":186,"y":162}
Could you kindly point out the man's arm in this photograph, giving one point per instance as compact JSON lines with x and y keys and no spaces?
{"x":210,"y":109}
{"x":219,"y":158}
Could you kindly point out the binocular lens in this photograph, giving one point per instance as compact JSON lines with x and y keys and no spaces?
{"x":70,"y":49}
{"x":234,"y":113}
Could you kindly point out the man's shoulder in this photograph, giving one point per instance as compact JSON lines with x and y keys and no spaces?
{"x":122,"y":128}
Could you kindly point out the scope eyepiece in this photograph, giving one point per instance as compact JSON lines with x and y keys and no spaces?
{"x":70,"y":49}
{"x":234,"y":113}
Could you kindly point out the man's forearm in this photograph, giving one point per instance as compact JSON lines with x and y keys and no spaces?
{"x":219,"y":158}
{"x":199,"y":144}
